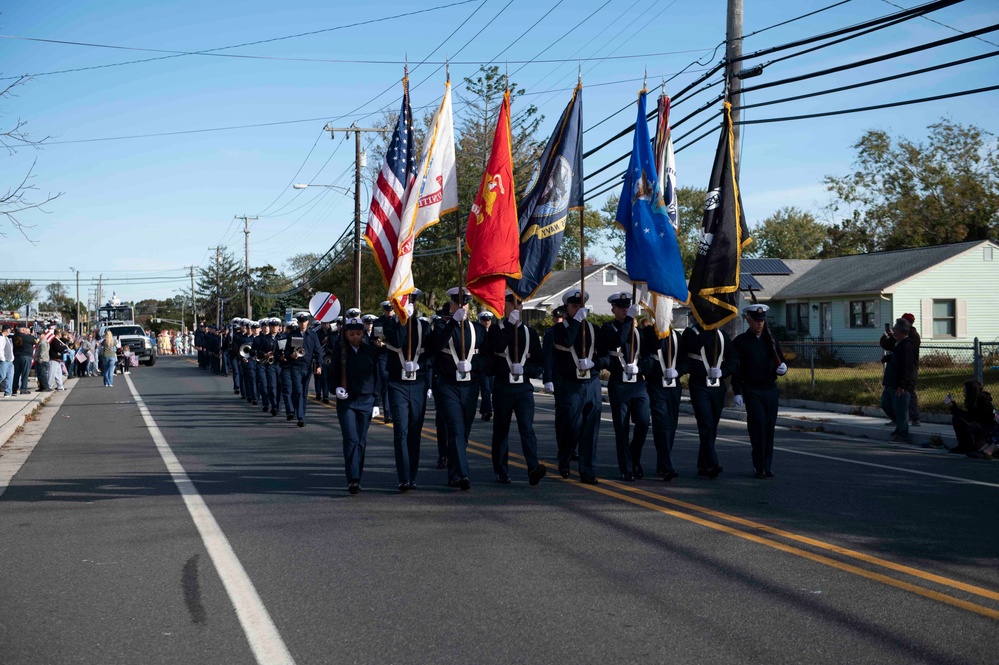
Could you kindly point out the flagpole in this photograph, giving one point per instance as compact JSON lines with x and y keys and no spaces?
{"x":582,"y":240}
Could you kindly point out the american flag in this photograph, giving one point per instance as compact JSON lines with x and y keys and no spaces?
{"x":395,"y":178}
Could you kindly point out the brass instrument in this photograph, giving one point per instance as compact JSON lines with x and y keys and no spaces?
{"x":298,"y":352}
{"x":244,"y":351}
{"x":269,"y":358}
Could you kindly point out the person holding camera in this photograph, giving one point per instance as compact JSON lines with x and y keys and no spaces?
{"x":898,"y":380}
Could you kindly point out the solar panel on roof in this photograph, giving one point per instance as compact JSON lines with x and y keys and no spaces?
{"x":747,"y":281}
{"x":765,"y":267}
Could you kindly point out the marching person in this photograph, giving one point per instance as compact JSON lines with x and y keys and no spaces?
{"x":235,"y":341}
{"x":268,"y":368}
{"x":301,"y":363}
{"x":406,"y":368}
{"x":355,"y":375}
{"x":760,"y":362}
{"x":579,"y":357}
{"x":440,"y":422}
{"x":549,"y":377}
{"x":711,"y":360}
{"x":486,"y":379}
{"x":388,"y":314}
{"x":458,"y":361}
{"x":284,"y":368}
{"x":663,"y":365}
{"x":322,"y":380}
{"x":629,"y":399}
{"x":517,"y":358}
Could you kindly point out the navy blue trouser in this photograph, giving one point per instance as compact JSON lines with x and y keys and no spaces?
{"x":267,"y":377}
{"x":457,"y":401}
{"x":284,"y":384}
{"x":383,"y":399}
{"x":707,"y":404}
{"x":299,"y":388}
{"x":236,"y":368}
{"x":664,"y":406}
{"x":408,"y":400}
{"x":629,"y":404}
{"x":761,"y":418}
{"x":355,"y":417}
{"x":581,"y":423}
{"x":322,"y":389}
{"x":486,"y":390}
{"x":509,"y":400}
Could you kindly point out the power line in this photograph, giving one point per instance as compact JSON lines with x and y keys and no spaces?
{"x":949,"y":27}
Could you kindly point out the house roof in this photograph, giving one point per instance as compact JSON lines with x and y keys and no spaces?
{"x":772,"y":275}
{"x":560,"y":281}
{"x":868,"y":273}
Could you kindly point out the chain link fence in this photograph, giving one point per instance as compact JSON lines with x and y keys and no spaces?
{"x":850,"y":372}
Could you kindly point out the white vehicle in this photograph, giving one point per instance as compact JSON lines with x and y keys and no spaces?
{"x":134,"y":337}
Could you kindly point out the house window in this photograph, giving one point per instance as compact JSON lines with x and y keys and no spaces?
{"x":861,"y":313}
{"x":610,"y":278}
{"x":944,"y":318}
{"x":797,"y":318}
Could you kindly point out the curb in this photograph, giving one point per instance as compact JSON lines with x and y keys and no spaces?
{"x":8,"y":429}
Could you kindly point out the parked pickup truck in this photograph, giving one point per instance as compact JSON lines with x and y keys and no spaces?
{"x":135,"y":339}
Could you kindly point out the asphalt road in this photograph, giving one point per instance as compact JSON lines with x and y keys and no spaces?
{"x":857,"y":552}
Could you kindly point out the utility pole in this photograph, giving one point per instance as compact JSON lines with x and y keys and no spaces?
{"x":78,"y":326}
{"x":246,"y":275}
{"x":218,"y":285}
{"x":733,"y":51}
{"x":357,"y":196}
{"x":194,"y":305}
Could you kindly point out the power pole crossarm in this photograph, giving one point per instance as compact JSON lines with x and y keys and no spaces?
{"x":246,"y":274}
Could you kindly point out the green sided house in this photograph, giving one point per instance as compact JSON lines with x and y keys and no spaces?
{"x":952,"y":290}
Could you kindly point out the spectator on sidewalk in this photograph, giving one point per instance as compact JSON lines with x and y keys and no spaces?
{"x":24,"y":347}
{"x":6,"y":362}
{"x":42,"y":362}
{"x":899,"y":378}
{"x":56,"y":349}
{"x":888,"y":344}
{"x":974,"y":423}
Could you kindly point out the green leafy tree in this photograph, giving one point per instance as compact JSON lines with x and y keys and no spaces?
{"x":789,"y":233}
{"x":15,"y":294}
{"x":222,"y":280}
{"x":912,"y":194}
{"x":594,"y":229}
{"x":59,"y":301}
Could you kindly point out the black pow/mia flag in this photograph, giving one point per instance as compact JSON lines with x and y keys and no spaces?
{"x":713,"y":290}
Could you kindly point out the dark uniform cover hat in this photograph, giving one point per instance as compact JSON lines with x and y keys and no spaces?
{"x":620,"y":299}
{"x":575,"y":297}
{"x":756,"y":311}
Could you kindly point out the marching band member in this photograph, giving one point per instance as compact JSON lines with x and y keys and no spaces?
{"x":235,"y":366}
{"x":711,"y":360}
{"x":284,"y":368}
{"x":754,"y":383}
{"x":358,"y":364}
{"x":579,"y":357}
{"x":663,"y":365}
{"x":517,"y":358}
{"x":301,"y":363}
{"x":251,"y":364}
{"x":406,"y":368}
{"x":458,"y":361}
{"x":266,"y":368}
{"x":440,"y":422}
{"x":626,"y":391}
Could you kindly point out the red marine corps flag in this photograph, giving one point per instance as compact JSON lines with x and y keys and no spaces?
{"x":493,"y":235}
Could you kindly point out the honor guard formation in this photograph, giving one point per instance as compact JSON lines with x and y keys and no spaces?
{"x":376,"y":366}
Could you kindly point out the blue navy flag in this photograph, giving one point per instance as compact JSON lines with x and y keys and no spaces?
{"x":556,"y":187}
{"x":652,"y":254}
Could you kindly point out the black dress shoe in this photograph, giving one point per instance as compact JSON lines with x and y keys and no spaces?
{"x":487,"y":416}
{"x":535,"y":475}
{"x":404,"y":487}
{"x":464,"y":483}
{"x":563,"y":470}
{"x":670,"y":475}
{"x":301,"y":423}
{"x":628,"y":477}
{"x":235,"y":391}
{"x":291,"y":417}
{"x":758,"y":474}
{"x":354,"y":487}
{"x":703,"y":472}
{"x":254,"y":402}
{"x":273,"y":412}
{"x":326,"y":400}
{"x":265,"y":409}
{"x":412,"y":485}
{"x":249,"y":399}
{"x":714,"y":472}
{"x":589,"y":480}
{"x":503,"y":479}
{"x":639,"y":474}
{"x":441,"y":462}
{"x":768,"y":474}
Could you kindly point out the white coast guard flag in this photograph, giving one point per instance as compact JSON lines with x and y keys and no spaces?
{"x":433,"y":194}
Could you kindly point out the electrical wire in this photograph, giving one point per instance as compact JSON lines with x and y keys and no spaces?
{"x":949,"y":27}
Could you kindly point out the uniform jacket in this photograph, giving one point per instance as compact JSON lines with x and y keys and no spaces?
{"x":362,"y":370}
{"x":397,"y":337}
{"x":501,"y":345}
{"x":758,"y":361}
{"x":313,"y":351}
{"x":650,"y":347}
{"x":618,"y":338}
{"x":694,"y":340}
{"x":567,"y":335}
{"x":439,"y":346}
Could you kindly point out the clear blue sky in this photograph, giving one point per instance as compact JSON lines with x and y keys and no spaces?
{"x":144,"y":208}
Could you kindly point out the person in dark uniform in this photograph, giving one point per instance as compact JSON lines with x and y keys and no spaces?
{"x":517,"y":358}
{"x":663,"y":365}
{"x":267,"y":369}
{"x":355,"y":375}
{"x":579,"y":357}
{"x":302,"y":363}
{"x":246,"y":377}
{"x":549,"y":376}
{"x":440,"y":422}
{"x":322,"y":380}
{"x":406,"y":353}
{"x":629,"y":399}
{"x":711,"y":360}
{"x":225,"y":343}
{"x":251,"y":365}
{"x":284,"y":368}
{"x":754,"y":383}
{"x":458,"y":361}
{"x":235,"y":364}
{"x":199,"y":344}
{"x":486,"y":379}
{"x":378,"y":331}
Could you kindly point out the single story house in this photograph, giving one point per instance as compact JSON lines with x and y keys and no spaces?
{"x":602,"y":279}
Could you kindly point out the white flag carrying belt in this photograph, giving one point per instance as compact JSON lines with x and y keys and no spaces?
{"x":572,"y":348}
{"x":471,"y":345}
{"x":506,"y":354}
{"x":416,"y":351}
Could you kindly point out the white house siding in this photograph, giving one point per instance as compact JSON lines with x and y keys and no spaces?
{"x":967,"y":277}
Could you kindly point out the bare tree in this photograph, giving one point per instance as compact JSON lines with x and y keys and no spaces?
{"x":23,"y":196}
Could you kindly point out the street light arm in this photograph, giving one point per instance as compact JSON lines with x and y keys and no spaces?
{"x":343,"y":190}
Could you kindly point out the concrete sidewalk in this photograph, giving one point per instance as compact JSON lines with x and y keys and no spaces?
{"x":16,"y":408}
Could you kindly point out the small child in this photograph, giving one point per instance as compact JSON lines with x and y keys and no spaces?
{"x":126,"y":360}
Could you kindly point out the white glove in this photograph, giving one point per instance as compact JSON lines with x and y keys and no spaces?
{"x":585,"y":364}
{"x":514,"y":317}
{"x":517,"y":369}
{"x":430,"y":394}
{"x":549,"y":387}
{"x":411,"y":367}
{"x":581,"y":314}
{"x":464,"y":366}
{"x":341,"y":393}
{"x":634,"y":311}
{"x":459,"y":314}
{"x":738,"y":401}
{"x":781,"y":369}
{"x":670,"y":373}
{"x":409,"y":309}
{"x":714,"y":373}
{"x":631,"y":369}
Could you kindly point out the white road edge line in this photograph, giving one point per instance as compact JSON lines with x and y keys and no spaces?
{"x":941,"y":476}
{"x":265,"y":641}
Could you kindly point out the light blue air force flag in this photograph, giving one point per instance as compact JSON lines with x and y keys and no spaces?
{"x":651,"y":252}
